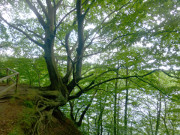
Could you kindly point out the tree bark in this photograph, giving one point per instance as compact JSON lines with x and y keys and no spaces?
{"x":164,"y":119}
{"x":55,"y":79}
{"x":115,"y":104}
{"x":99,"y":122}
{"x":126,"y":105}
{"x":80,"y":49}
{"x":150,"y":121}
{"x":158,"y":115}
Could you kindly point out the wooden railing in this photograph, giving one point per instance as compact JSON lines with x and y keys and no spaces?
{"x":10,"y":77}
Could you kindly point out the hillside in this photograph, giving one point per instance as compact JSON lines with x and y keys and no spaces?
{"x":18,"y":115}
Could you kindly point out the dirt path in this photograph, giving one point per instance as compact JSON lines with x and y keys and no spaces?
{"x":10,"y":110}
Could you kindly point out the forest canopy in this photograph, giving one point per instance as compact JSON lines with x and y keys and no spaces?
{"x":90,"y":56}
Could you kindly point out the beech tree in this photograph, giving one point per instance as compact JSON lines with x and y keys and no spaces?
{"x":82,"y":29}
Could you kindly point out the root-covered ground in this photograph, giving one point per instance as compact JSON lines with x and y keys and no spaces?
{"x":25,"y":114}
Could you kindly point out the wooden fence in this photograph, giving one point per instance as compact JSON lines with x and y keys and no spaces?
{"x":10,"y":77}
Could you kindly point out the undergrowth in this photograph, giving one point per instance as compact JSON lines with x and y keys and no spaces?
{"x":26,"y":119}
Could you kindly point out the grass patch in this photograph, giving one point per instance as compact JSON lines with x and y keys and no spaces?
{"x":16,"y":131}
{"x":28,"y":117}
{"x":28,"y":103}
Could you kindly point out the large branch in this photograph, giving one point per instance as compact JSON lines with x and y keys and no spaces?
{"x":127,"y":77}
{"x":20,"y":30}
{"x":87,"y":10}
{"x":77,"y":95}
{"x":80,"y":48}
{"x":170,"y":75}
{"x":35,"y":34}
{"x":93,"y":85}
{"x":69,"y":59}
{"x":58,"y":4}
{"x":51,"y":14}
{"x":153,"y":86}
{"x":113,"y":40}
{"x":49,"y":5}
{"x":98,"y":28}
{"x":43,"y":8}
{"x":33,"y":8}
{"x":60,"y":22}
{"x":69,"y":67}
{"x":85,"y":110}
{"x":116,"y":38}
{"x":115,"y":11}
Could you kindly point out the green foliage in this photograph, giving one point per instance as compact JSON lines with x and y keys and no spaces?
{"x":32,"y":71}
{"x":28,"y":104}
{"x":138,"y":35}
{"x":16,"y":131}
{"x":3,"y":33}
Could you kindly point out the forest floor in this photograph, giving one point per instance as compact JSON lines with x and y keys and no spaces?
{"x":10,"y":110}
{"x":9,"y":113}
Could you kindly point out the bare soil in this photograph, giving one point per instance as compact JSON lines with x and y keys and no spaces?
{"x":9,"y":113}
{"x":10,"y":110}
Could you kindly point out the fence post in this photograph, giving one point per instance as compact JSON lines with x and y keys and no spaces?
{"x":7,"y":73}
{"x":17,"y":80}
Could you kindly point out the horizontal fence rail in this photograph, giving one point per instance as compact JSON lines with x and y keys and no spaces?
{"x":8,"y":75}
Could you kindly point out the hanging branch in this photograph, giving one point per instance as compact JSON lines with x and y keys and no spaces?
{"x":23,"y":32}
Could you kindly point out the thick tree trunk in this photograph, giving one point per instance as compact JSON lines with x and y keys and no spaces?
{"x":55,"y":79}
{"x":50,"y":32}
{"x":52,"y":69}
{"x":80,"y":49}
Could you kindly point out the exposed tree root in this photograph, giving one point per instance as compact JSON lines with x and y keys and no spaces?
{"x":49,"y":116}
